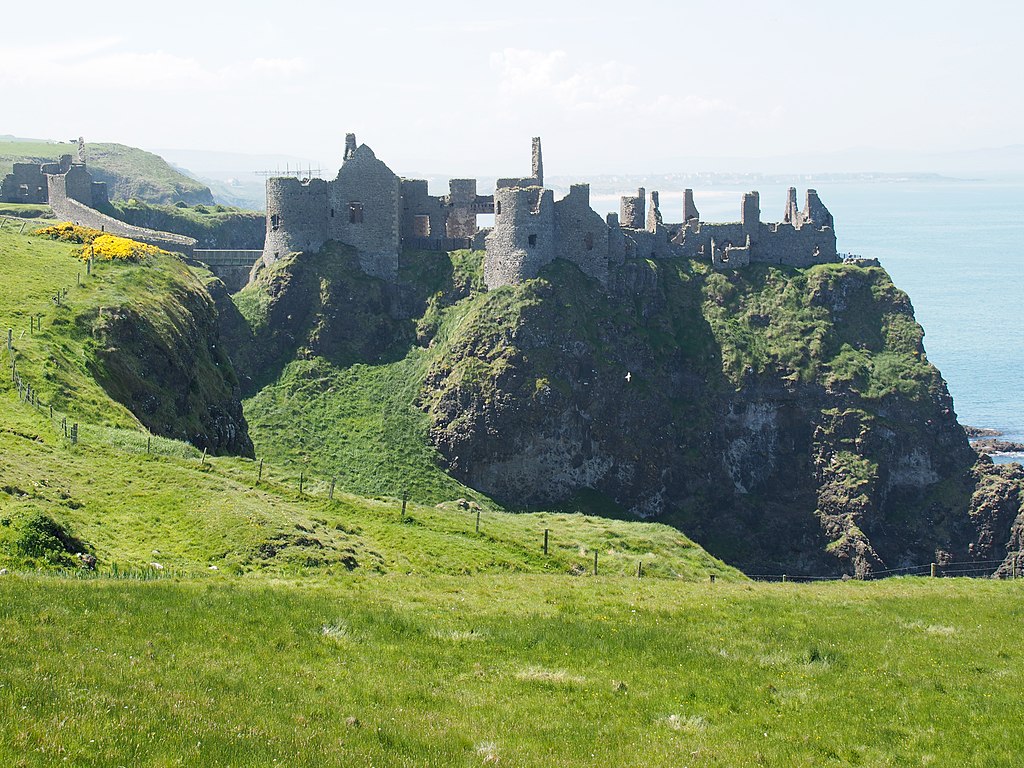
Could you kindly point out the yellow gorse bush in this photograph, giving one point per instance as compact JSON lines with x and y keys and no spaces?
{"x":110,"y":247}
{"x":70,"y":233}
{"x":99,"y":245}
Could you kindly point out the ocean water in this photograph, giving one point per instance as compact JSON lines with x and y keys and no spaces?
{"x":957,"y":249}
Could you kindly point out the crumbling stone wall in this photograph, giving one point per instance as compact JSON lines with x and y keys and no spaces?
{"x":581,"y":235}
{"x":423,"y":215}
{"x":631,"y":210}
{"x":370,"y":208}
{"x":808,"y":237}
{"x":365,"y":202}
{"x":27,"y":183}
{"x":79,"y":213}
{"x":462,"y":200}
{"x":24,"y":184}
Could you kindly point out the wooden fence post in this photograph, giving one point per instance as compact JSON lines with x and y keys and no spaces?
{"x":330,"y":496}
{"x":595,"y":562}
{"x":259,"y":477}
{"x":545,"y":541}
{"x":478,"y":519}
{"x":935,"y":570}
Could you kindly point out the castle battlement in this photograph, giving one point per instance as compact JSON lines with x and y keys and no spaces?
{"x":370,"y":208}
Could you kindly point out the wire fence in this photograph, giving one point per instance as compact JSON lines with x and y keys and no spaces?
{"x":1008,"y":568}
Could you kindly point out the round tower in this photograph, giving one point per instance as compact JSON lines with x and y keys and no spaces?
{"x":297,"y":216}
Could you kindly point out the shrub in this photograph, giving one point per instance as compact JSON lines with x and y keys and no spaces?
{"x":112,"y":247}
{"x":69,"y":233}
{"x":44,"y":538}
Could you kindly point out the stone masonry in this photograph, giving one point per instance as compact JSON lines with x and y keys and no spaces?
{"x":381,"y":215}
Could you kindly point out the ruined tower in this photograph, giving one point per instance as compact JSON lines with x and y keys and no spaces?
{"x":690,"y":213}
{"x":537,"y":162}
{"x":631,"y":210}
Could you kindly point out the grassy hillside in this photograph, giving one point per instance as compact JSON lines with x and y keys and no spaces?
{"x":129,"y":172}
{"x":171,"y":506}
{"x":231,"y":619}
{"x":214,"y":226}
{"x":130,"y":344}
{"x":508,"y":670}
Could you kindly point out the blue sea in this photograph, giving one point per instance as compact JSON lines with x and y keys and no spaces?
{"x":957,"y":249}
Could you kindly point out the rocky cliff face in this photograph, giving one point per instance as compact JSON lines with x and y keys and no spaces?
{"x":167,"y":364}
{"x":787,"y":420}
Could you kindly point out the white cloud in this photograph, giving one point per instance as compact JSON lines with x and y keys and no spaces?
{"x":106,"y":64}
{"x":552,"y":76}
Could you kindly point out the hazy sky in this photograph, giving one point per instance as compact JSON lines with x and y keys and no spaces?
{"x":461,"y":86}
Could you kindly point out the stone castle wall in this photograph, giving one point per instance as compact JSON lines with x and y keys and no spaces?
{"x":366,"y":212}
{"x":24,"y":184}
{"x":581,"y":235}
{"x":81,"y":214}
{"x":373,"y":210}
{"x":297,"y":214}
{"x":523,"y":238}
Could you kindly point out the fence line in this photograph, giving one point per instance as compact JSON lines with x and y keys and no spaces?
{"x":27,"y":393}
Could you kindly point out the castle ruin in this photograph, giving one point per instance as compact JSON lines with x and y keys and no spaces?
{"x":367,"y":206}
{"x":68,"y":188}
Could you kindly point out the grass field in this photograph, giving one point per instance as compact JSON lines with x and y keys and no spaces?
{"x":234,"y":621}
{"x":508,"y":669}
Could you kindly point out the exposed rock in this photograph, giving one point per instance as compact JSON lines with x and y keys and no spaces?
{"x":981,"y":432}
{"x":997,"y":446}
{"x":167,"y":364}
{"x":778,"y":453}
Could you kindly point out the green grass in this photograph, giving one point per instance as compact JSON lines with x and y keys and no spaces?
{"x":63,"y":357}
{"x":232,"y":620}
{"x":24,"y":211}
{"x":356,"y":423}
{"x":842,"y":326}
{"x":187,"y":513}
{"x":169,"y":506}
{"x":213,"y":226}
{"x":508,"y":670}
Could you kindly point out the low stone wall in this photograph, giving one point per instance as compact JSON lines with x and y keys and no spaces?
{"x":77,"y":213}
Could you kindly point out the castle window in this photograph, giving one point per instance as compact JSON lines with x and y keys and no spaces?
{"x":332,"y":213}
{"x":355,"y":213}
{"x":275,"y":222}
{"x":421,"y":226}
{"x":588,"y":240}
{"x":532,"y":240}
{"x":497,"y":208}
